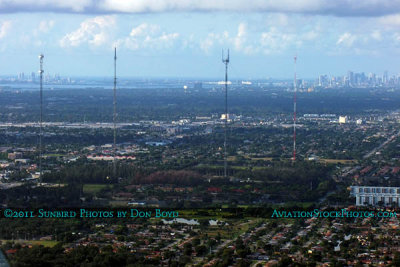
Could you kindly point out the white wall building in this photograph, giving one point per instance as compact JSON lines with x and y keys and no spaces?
{"x":342,"y":119}
{"x":374,"y":195}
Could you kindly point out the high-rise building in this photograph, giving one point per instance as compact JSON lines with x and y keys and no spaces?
{"x":372,"y":79}
{"x":350,"y":78}
{"x":385,"y":77}
{"x":323,"y":80}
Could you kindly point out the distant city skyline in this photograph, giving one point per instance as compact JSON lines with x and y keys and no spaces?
{"x":32,"y":76}
{"x":185,"y":38}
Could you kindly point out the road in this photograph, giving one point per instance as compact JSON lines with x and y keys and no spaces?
{"x":373,"y":151}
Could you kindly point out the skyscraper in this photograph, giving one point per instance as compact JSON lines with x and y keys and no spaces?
{"x":350,"y":78}
{"x":385,"y":77}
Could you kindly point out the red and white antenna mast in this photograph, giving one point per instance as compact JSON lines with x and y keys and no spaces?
{"x":294,"y":110}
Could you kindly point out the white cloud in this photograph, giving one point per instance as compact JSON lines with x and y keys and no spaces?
{"x":76,"y":6}
{"x":376,"y":35}
{"x":94,"y":31}
{"x":390,"y":21}
{"x":270,"y":41}
{"x":206,"y":44}
{"x":310,"y":35}
{"x":189,"y":42}
{"x":278,"y":19}
{"x":346,"y":39}
{"x":4,"y":28}
{"x":148,"y":36}
{"x":240,"y":41}
{"x":362,"y":8}
{"x":46,"y":25}
{"x":369,"y":42}
{"x":143,"y":29}
{"x":396,"y":37}
{"x":275,"y":40}
{"x":212,"y":39}
{"x":240,"y":38}
{"x":321,"y":7}
{"x":243,"y":41}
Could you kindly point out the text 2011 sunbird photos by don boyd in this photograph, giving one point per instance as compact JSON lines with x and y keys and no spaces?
{"x":85,"y":213}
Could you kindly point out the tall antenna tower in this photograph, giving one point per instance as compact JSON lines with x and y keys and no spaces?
{"x":294,"y":110}
{"x":41,"y":56}
{"x":225,"y":60}
{"x":115,"y":115}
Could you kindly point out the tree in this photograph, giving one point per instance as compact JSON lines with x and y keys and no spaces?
{"x":201,"y":250}
{"x":187,"y":249}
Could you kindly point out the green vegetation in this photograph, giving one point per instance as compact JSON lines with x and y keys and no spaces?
{"x":93,"y":188}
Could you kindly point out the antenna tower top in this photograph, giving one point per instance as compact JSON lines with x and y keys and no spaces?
{"x":225,"y":60}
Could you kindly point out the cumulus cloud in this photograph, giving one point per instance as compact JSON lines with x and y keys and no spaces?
{"x":207,"y":43}
{"x":241,"y":41}
{"x":143,"y":29}
{"x":376,"y":35}
{"x":346,"y":39}
{"x":275,"y":40}
{"x":310,"y":35}
{"x":396,"y":37}
{"x":320,"y":7}
{"x":94,"y":31}
{"x":46,"y":25}
{"x":240,"y":38}
{"x":214,"y":38}
{"x":148,"y":36}
{"x":390,"y":21}
{"x":271,"y":40}
{"x":369,"y":42}
{"x":4,"y":28}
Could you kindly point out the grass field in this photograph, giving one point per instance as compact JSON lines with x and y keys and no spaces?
{"x":118,"y":203}
{"x":93,"y":188}
{"x":264,"y":159}
{"x":45,"y":243}
{"x":53,"y":155}
{"x":231,"y":158}
{"x":336,"y":161}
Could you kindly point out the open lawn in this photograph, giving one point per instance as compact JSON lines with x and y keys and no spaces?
{"x":45,"y":243}
{"x":93,"y":188}
{"x":336,"y":161}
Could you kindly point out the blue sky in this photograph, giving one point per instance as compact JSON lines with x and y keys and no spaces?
{"x":182,"y":38}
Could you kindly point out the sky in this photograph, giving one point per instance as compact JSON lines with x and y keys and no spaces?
{"x":185,"y":38}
